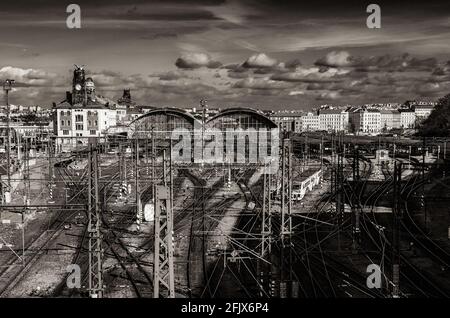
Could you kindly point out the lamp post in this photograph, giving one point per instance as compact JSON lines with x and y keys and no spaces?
{"x":7,"y":86}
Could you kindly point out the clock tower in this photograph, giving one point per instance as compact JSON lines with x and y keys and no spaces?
{"x":78,"y":86}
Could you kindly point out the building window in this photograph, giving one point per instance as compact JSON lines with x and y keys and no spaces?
{"x":65,"y":132}
{"x":62,"y":122}
{"x":79,"y":126}
{"x":79,"y":118}
{"x":68,"y":123}
{"x":93,"y":132}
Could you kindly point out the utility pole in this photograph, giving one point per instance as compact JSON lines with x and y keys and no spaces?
{"x":445,"y":150}
{"x":423,"y":158}
{"x":26,"y":173}
{"x":203,"y":105}
{"x":306,"y":151}
{"x":51,"y":173}
{"x":338,"y":199}
{"x":153,"y":159}
{"x":146,"y":156}
{"x":423,"y":182}
{"x":355,"y":207}
{"x":95,"y":240}
{"x":264,"y":269}
{"x":286,"y":220}
{"x":163,"y":256}
{"x":7,"y":86}
{"x":397,"y":214}
{"x":124,"y":166}
{"x":136,"y":175}
{"x":266,"y":227}
{"x":321,"y":152}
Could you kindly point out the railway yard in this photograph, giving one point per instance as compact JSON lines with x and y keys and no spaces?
{"x":118,"y":218}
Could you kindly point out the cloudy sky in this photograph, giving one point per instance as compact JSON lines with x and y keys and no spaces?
{"x":256,"y":53}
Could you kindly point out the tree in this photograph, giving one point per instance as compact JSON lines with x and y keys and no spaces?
{"x":438,"y":123}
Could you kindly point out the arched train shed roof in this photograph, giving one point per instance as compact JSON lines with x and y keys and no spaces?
{"x":246,"y":111}
{"x":175,"y":112}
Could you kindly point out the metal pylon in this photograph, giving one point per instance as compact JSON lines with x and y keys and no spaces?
{"x":286,"y":218}
{"x":266,"y":226}
{"x":264,"y":267}
{"x":286,"y":190}
{"x":95,"y":240}
{"x":163,"y":255}
{"x":397,"y":216}
{"x":139,"y":212}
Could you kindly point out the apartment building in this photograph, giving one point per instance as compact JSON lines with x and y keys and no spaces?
{"x":407,"y":118}
{"x":287,"y":121}
{"x":365,"y":120}
{"x":310,"y":122}
{"x":333,"y":120}
{"x":390,"y":119}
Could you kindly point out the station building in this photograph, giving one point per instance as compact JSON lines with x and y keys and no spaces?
{"x":81,"y":115}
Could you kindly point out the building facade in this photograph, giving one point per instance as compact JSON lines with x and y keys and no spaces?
{"x":422,"y":112}
{"x":407,"y":118}
{"x":333,"y":120}
{"x":81,"y":115}
{"x":365,"y":120}
{"x":310,"y":122}
{"x":288,"y":121}
{"x":390,"y":119}
{"x":75,"y":124}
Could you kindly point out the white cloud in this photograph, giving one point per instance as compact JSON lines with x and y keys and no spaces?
{"x":330,"y":95}
{"x":310,"y":74}
{"x":336,"y":59}
{"x":33,"y":77}
{"x":260,"y":60}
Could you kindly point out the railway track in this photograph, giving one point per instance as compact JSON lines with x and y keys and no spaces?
{"x":418,"y":280}
{"x":143,"y":285}
{"x":14,"y":270}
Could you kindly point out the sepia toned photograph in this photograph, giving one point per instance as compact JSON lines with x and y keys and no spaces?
{"x":221,"y":149}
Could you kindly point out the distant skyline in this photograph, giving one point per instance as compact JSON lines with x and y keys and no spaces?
{"x":266,"y":54}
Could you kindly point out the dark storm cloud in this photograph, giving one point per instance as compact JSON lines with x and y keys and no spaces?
{"x":237,"y":75}
{"x":292,"y":63}
{"x":193,"y":60}
{"x":171,"y":76}
{"x":377,"y":63}
{"x":261,"y":84}
{"x":442,"y":70}
{"x":159,"y":36}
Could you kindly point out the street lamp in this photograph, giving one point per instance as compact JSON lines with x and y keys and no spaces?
{"x":7,"y":86}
